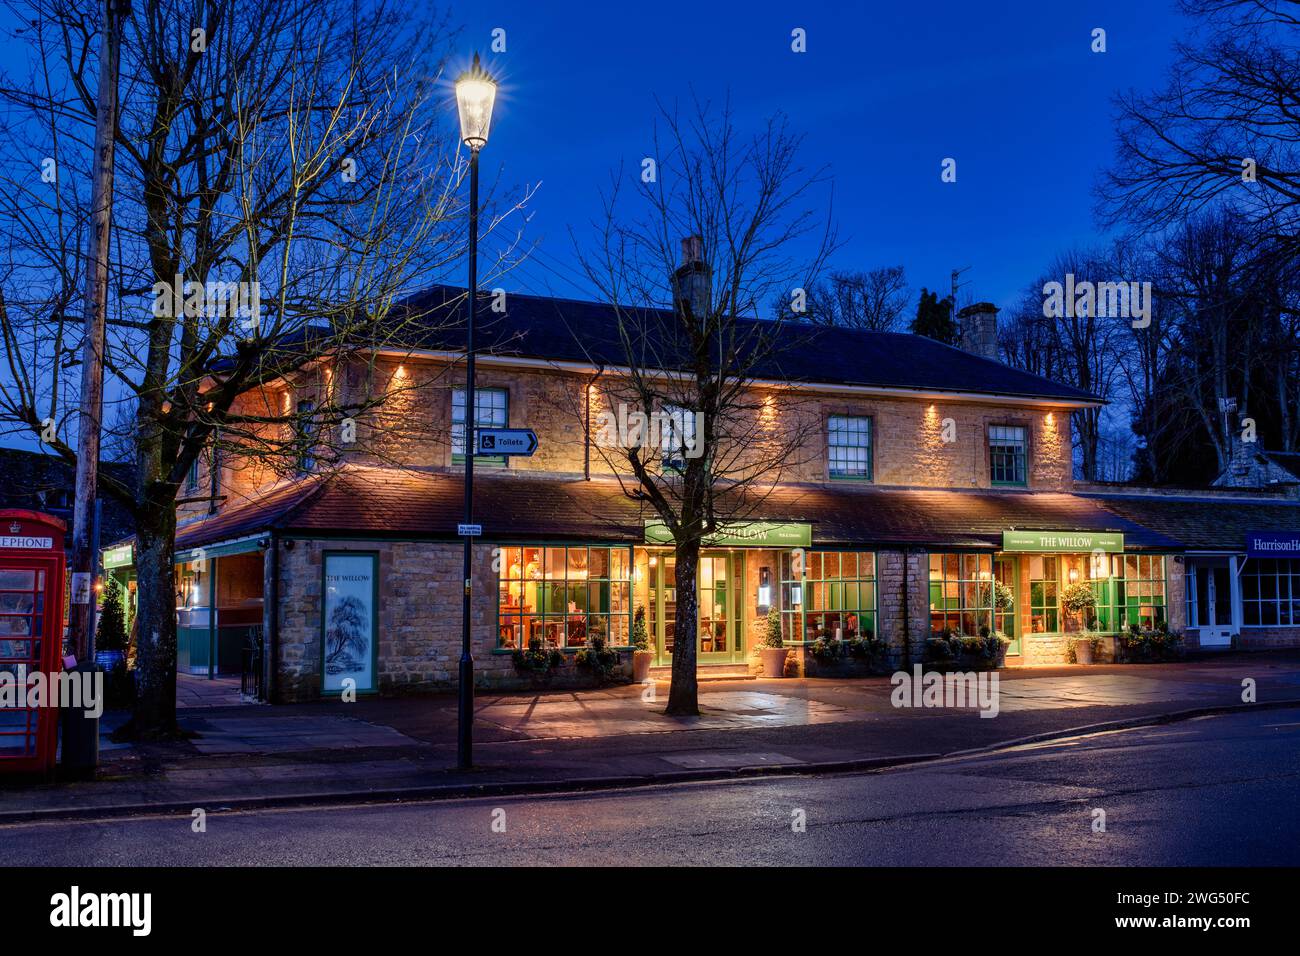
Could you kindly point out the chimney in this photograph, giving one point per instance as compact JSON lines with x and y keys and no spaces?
{"x":977,"y":329}
{"x":1244,"y":469}
{"x":692,"y":280}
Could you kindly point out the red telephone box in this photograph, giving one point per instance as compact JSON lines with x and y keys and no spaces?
{"x":31,"y":636}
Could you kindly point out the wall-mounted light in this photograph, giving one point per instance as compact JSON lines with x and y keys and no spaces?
{"x":764,"y":590}
{"x":1074,"y":575}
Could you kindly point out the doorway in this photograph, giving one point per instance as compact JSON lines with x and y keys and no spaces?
{"x":719,"y":583}
{"x":1209,"y":588}
{"x":1006,"y":571}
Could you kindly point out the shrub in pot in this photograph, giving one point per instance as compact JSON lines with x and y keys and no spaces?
{"x":772,"y":650}
{"x":643,"y":654}
{"x":596,"y":657}
{"x":538,"y":660}
{"x":1079,"y":598}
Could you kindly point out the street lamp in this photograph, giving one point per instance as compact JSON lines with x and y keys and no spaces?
{"x":476,"y":92}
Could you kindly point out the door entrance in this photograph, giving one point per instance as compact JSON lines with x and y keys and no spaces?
{"x":719,"y":637}
{"x":1210,"y":584}
{"x":1005,"y":619}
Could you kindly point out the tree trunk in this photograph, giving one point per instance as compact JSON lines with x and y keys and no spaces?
{"x":683,"y":692}
{"x":155,"y":674}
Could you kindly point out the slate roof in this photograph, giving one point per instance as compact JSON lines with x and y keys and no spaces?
{"x":570,"y":330}
{"x":47,"y":483}
{"x":1288,"y":461}
{"x":1205,"y":523}
{"x":365,"y":501}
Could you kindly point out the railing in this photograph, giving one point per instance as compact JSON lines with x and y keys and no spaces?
{"x":250,"y":682}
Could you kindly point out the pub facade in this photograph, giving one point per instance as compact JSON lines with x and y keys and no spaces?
{"x":932,"y":494}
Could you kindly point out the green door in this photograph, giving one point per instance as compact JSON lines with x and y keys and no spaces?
{"x":719,"y":637}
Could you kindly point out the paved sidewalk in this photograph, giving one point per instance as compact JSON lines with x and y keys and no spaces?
{"x":549,"y":740}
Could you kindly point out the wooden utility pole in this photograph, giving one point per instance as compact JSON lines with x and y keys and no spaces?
{"x":80,"y":618}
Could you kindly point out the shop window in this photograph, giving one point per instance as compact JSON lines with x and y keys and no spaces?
{"x":849,"y":446}
{"x":1008,"y":454}
{"x":1270,"y":592}
{"x":961,"y":593}
{"x":830,"y":594}
{"x":562,"y":595}
{"x":1140,"y":591}
{"x":1044,"y":594}
{"x":491,"y":410}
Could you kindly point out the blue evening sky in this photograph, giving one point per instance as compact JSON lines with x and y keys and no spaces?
{"x":884,"y":93}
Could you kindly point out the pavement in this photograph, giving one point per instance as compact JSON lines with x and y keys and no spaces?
{"x":394,"y":748}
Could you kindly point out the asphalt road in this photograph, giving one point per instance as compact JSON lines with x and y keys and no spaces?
{"x":1213,"y":791}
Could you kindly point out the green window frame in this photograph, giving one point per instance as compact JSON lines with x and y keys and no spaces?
{"x":1044,"y":615}
{"x":961,"y":592}
{"x":676,"y":432}
{"x":491,"y":410}
{"x":1145,"y":594}
{"x":1008,"y":455}
{"x":849,"y":447}
{"x":560,"y":592}
{"x":305,"y":434}
{"x":828,"y":594}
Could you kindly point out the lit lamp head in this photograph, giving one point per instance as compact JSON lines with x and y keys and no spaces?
{"x":476,"y":92}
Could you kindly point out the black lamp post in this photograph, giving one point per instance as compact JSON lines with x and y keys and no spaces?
{"x":476,"y":91}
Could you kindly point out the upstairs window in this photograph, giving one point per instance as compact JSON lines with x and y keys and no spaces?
{"x":1008,"y":455}
{"x":678,"y":436}
{"x":305,"y":437}
{"x":491,"y":410}
{"x":849,"y":438}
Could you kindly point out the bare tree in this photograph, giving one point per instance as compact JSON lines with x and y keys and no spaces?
{"x":281,"y":182}
{"x":739,"y":210}
{"x":874,"y":300}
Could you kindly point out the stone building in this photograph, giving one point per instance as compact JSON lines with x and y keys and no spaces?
{"x":925,"y":481}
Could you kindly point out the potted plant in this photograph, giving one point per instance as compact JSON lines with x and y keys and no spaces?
{"x":110,"y":629}
{"x":1078,"y":598}
{"x":596,"y":658}
{"x":772,"y":650}
{"x":643,"y":654}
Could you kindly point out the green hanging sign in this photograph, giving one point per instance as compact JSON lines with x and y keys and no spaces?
{"x":743,"y":534}
{"x":119,"y":557}
{"x":1063,"y":541}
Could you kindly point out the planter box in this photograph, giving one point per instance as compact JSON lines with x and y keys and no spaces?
{"x":847,"y":667}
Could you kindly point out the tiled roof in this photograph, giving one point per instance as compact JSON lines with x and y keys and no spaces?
{"x":385,"y":502}
{"x":1205,"y":523}
{"x":569,"y":330}
{"x":1286,"y":460}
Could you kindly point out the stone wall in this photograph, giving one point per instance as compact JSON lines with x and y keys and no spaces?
{"x":419,"y":617}
{"x":412,"y":428}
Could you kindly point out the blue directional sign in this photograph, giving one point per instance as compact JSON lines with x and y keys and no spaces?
{"x":505,"y":441}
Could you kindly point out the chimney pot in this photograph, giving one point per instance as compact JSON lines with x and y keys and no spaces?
{"x":692,"y":280}
{"x":692,"y":250}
